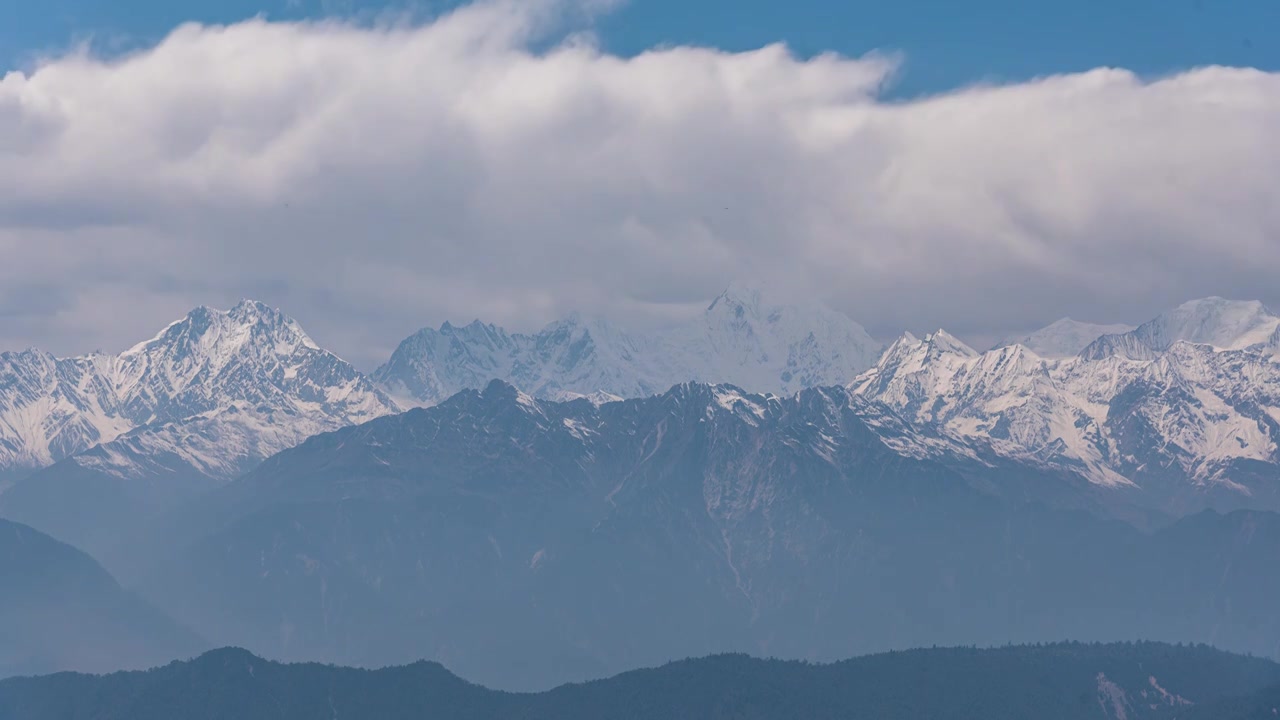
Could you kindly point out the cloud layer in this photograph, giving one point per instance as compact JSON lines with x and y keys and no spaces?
{"x":371,"y":180}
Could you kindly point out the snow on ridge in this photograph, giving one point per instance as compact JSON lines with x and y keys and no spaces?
{"x":1204,"y":406}
{"x":597,"y":398}
{"x":1155,"y":396}
{"x":740,"y":403}
{"x":198,"y":366}
{"x":943,"y":341}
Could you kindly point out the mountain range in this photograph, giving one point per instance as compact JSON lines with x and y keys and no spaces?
{"x":90,"y":444}
{"x":547,"y":494}
{"x":1183,"y":407}
{"x":1143,"y":681}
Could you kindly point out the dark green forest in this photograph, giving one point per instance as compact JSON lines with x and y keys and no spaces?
{"x":1067,"y":681}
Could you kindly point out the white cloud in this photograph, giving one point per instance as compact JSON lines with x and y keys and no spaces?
{"x":370,"y":180}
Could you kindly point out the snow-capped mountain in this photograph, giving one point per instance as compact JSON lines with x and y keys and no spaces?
{"x":1066,"y":337}
{"x":1184,"y":407}
{"x":250,"y":358}
{"x":52,"y":408}
{"x":1223,"y":324}
{"x":742,"y":338}
{"x":203,"y":401}
{"x":1008,"y":398}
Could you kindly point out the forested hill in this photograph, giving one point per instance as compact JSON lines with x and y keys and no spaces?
{"x":1052,"y":682}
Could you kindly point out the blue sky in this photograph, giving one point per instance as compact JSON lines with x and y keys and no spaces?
{"x":946,"y":43}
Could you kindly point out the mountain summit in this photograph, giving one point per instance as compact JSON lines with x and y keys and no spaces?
{"x":251,"y":356}
{"x":744,"y":337}
{"x":1213,"y":321}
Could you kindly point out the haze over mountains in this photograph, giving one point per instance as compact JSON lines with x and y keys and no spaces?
{"x":60,"y":610}
{"x":764,"y":478}
{"x":523,"y":541}
{"x":743,"y":338}
{"x":1066,"y":337}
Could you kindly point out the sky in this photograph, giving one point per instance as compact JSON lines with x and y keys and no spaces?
{"x":947,"y":44}
{"x":371,"y":168}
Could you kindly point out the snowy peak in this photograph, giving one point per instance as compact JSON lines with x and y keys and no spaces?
{"x":914,"y":372}
{"x":752,"y":308}
{"x":252,"y":357}
{"x":208,"y":343}
{"x":577,"y":340}
{"x":473,"y":332}
{"x":909,"y":354}
{"x":430,"y":365}
{"x":1185,"y":406}
{"x":1066,"y":337}
{"x":1225,"y":324}
{"x":752,"y":340}
{"x":251,"y":354}
{"x":1010,"y":359}
{"x":1222,"y":324}
{"x":208,"y":331}
{"x":943,"y":342}
{"x":743,"y":337}
{"x":1006,"y":400}
{"x":738,"y":300}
